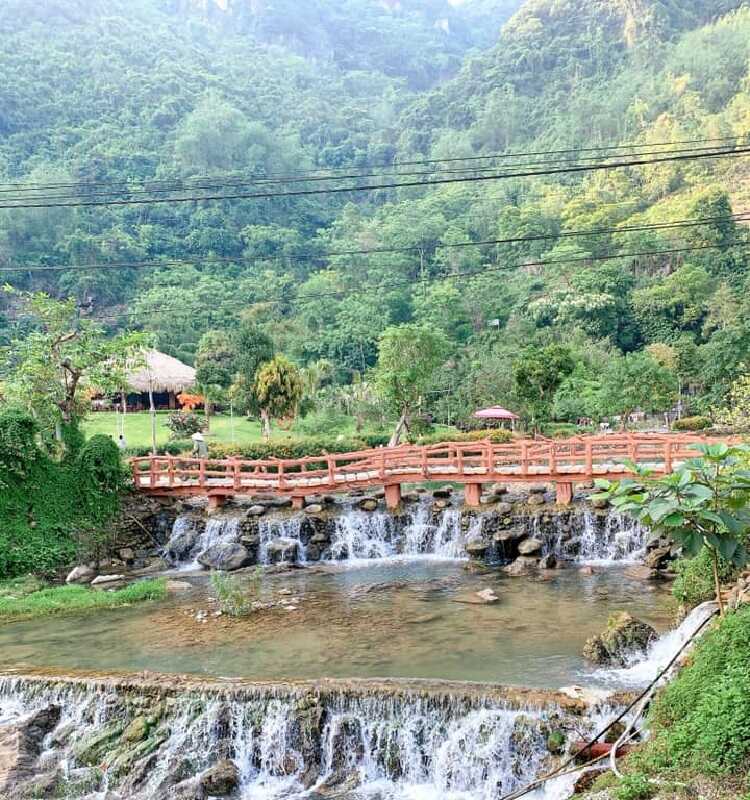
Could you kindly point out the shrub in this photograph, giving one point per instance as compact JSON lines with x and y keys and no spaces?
{"x":495,"y":435}
{"x":173,"y":448}
{"x":634,"y":787}
{"x":700,"y":720}
{"x":692,"y":424}
{"x":235,"y":597}
{"x":322,"y":422}
{"x":185,"y":424}
{"x":695,"y":578}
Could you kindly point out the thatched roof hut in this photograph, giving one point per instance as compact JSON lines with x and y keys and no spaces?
{"x":160,"y":373}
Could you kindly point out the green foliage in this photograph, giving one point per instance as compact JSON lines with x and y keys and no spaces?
{"x":634,"y":787}
{"x":297,"y":448}
{"x":54,"y":510}
{"x":695,"y":578}
{"x":75,"y":599}
{"x":184,"y":424}
{"x":537,"y":374}
{"x":636,"y":380}
{"x":18,"y":450}
{"x":235,"y":596}
{"x":700,"y":719}
{"x":702,"y":504}
{"x":278,"y":390}
{"x":696,"y":423}
{"x":494,"y":435}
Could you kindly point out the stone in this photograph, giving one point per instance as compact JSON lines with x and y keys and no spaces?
{"x":103,"y":579}
{"x":484,"y":597}
{"x":255,"y":511}
{"x":281,"y":550}
{"x":227,"y":557}
{"x":319,"y":538}
{"x":659,"y":557}
{"x":126,"y":554}
{"x":439,"y":504}
{"x":221,"y":779}
{"x":313,"y":508}
{"x":623,"y":637}
{"x":487,"y":499}
{"x":535,"y":500}
{"x":548,"y":562}
{"x":599,"y":502}
{"x":523,"y":565}
{"x":280,"y":502}
{"x":477,"y":548}
{"x":503,"y":508}
{"x":443,"y":492}
{"x":530,"y":547}
{"x":498,"y":489}
{"x":509,"y":535}
{"x":538,"y":488}
{"x":178,"y":587}
{"x":137,"y":731}
{"x":410,"y":497}
{"x":586,"y":570}
{"x":640,"y":572}
{"x":21,"y":744}
{"x":368,"y":504}
{"x":81,"y":574}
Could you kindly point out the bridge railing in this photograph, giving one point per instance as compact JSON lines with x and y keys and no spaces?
{"x":579,"y":458}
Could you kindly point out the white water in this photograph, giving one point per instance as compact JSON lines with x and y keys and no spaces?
{"x":643,"y":669}
{"x":286,"y":530}
{"x":402,"y":746}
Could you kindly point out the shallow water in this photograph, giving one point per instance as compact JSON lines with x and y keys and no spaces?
{"x":391,"y":619}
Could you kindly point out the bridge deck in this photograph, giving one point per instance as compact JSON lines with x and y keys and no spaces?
{"x":561,"y":462}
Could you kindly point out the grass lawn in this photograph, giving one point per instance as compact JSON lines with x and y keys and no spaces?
{"x":26,"y":598}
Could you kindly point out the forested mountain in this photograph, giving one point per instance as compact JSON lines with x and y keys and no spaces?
{"x":119,"y":94}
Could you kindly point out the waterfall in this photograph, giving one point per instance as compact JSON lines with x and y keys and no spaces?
{"x":362,"y":535}
{"x":644,"y":668}
{"x":596,"y":539}
{"x":189,"y":539}
{"x":282,"y":532}
{"x":393,"y":742}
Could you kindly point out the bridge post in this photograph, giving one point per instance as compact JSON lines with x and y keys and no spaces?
{"x":298,"y":502}
{"x":472,"y":494}
{"x":564,"y":493}
{"x":215,"y":502}
{"x":393,"y":495}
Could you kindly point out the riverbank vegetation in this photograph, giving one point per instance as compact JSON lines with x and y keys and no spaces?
{"x":28,"y":597}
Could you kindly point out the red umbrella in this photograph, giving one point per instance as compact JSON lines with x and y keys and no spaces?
{"x":495,"y":412}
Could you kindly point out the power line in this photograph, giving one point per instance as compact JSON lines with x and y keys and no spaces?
{"x":383,"y":165}
{"x":379,"y":287}
{"x":199,"y":261}
{"x":384,"y":186}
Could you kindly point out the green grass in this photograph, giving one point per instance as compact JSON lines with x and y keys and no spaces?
{"x":138,"y":429}
{"x":22,"y":598}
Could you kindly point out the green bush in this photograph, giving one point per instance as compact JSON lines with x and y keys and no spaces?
{"x":701,"y":720}
{"x":634,"y":787}
{"x":495,"y":435}
{"x":184,"y":424}
{"x":692,"y":424}
{"x":175,"y":448}
{"x":695,"y":578}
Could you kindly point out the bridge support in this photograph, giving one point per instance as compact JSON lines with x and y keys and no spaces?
{"x":298,"y":503}
{"x":564,"y":492}
{"x":472,"y":494}
{"x":215,"y":502}
{"x":393,"y":495}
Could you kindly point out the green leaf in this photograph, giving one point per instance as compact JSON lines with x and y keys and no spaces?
{"x":734,"y":525}
{"x":698,"y":490}
{"x":740,"y":557}
{"x":727,"y":547}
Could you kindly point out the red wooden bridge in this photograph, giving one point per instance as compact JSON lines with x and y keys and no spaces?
{"x":562,"y":462}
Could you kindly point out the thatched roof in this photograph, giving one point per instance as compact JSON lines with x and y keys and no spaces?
{"x":160,"y":373}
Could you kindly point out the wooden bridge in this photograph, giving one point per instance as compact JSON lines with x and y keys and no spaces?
{"x":562,"y":462}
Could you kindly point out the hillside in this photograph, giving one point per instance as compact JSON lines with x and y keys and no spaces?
{"x":130,"y":92}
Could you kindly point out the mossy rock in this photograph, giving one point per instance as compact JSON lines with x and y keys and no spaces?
{"x":91,"y":749}
{"x":623,"y":637}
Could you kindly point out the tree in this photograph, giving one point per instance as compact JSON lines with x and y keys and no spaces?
{"x":214,"y":367}
{"x":702,"y":504}
{"x":636,"y":380}
{"x":253,"y":348}
{"x":537,"y":375}
{"x":736,"y":413}
{"x":47,"y":371}
{"x":408,"y":358}
{"x":278,"y":390}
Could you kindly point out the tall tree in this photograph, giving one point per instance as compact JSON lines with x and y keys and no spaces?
{"x":278,"y":391}
{"x":214,"y":367}
{"x":537,"y":375}
{"x":408,"y":359}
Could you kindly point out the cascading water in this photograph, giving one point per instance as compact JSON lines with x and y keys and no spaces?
{"x":189,"y":539}
{"x":286,"y":535}
{"x":612,"y":538}
{"x":286,"y":740}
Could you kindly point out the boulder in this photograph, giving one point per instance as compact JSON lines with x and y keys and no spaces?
{"x":313,"y":508}
{"x":319,"y":538}
{"x":227,"y":557}
{"x":523,"y":565}
{"x":104,"y":579}
{"x":498,"y":489}
{"x":126,"y":554}
{"x":368,"y":504}
{"x":137,"y":731}
{"x":477,"y":548}
{"x":410,"y":497}
{"x":255,"y":511}
{"x":538,"y":488}
{"x":503,"y":508}
{"x":599,"y":502}
{"x":535,"y":500}
{"x":509,"y":535}
{"x":659,"y":557}
{"x":641,"y":572}
{"x":281,"y":550}
{"x":623,"y":637}
{"x":81,"y":574}
{"x":548,"y":562}
{"x":530,"y":547}
{"x":440,"y":504}
{"x":178,"y":587}
{"x":221,"y":779}
{"x":21,"y":744}
{"x":483,"y":598}
{"x":280,"y":502}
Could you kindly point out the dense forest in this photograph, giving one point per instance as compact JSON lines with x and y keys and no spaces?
{"x":552,"y":291}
